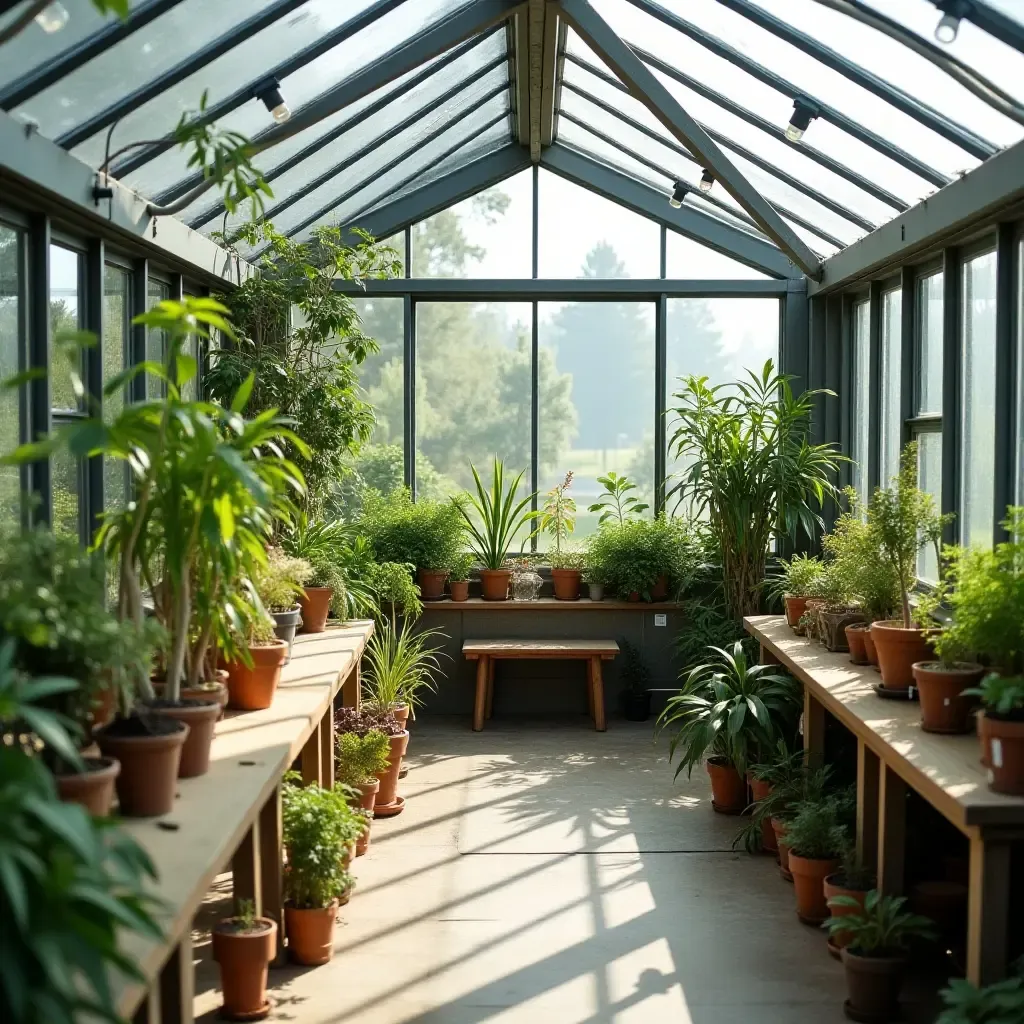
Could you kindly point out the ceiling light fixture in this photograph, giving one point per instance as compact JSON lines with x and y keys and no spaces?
{"x":52,"y":18}
{"x":804,"y":111}
{"x":707,"y":179}
{"x":270,"y":93}
{"x":953,"y":12}
{"x":679,"y":191}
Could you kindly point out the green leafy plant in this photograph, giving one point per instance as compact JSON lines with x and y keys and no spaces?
{"x":558,"y":517}
{"x":392,"y":584}
{"x":616,"y":504}
{"x":1003,"y":696}
{"x":729,"y":708}
{"x":633,"y":670}
{"x":399,"y":665}
{"x":751,"y":469}
{"x":999,"y":1003}
{"x":498,"y":516}
{"x":461,"y":567}
{"x":882,"y":928}
{"x":359,"y":759}
{"x":245,"y":915}
{"x":280,"y":580}
{"x":818,"y":828}
{"x":428,"y":534}
{"x":796,"y":578}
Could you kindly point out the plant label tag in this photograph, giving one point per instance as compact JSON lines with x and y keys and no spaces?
{"x":997,"y":753}
{"x":660,"y":619}
{"x":910,"y":693}
{"x":945,"y":702}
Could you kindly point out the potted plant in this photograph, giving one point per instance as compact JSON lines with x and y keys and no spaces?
{"x":729,"y":712}
{"x":279,"y":583}
{"x":634,"y":672}
{"x":999,"y":1003}
{"x":318,"y":828}
{"x":816,"y":835}
{"x":592,"y":578}
{"x":358,"y":762}
{"x":253,"y":676}
{"x":874,"y":956}
{"x":498,"y":518}
{"x":616,"y":503}
{"x":852,"y":882}
{"x":319,"y":544}
{"x":903,"y":519}
{"x":558,"y":518}
{"x":243,"y":947}
{"x":1001,"y":729}
{"x":458,"y":577}
{"x":794,"y":582}
{"x":394,"y":588}
{"x":836,"y":611}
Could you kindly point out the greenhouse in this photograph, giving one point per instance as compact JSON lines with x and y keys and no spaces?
{"x":512,"y":510}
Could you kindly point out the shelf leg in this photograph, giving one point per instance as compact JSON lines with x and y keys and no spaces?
{"x":481,"y":693}
{"x":489,"y":702}
{"x":814,"y":729}
{"x":350,"y":689}
{"x":597,"y":687}
{"x":867,"y":805}
{"x":311,"y":759}
{"x":271,"y":839}
{"x":327,"y":749}
{"x":590,"y":689}
{"x":178,"y":984}
{"x":988,"y":904}
{"x":892,"y":831}
{"x":245,"y":870}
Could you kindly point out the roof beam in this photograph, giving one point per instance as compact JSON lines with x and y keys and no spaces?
{"x":646,"y":87}
{"x":620,"y":188}
{"x":519,"y":29}
{"x":565,"y":289}
{"x":995,"y":23}
{"x":554,"y":31}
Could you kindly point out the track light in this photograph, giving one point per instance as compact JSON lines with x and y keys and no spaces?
{"x":270,"y":93}
{"x":52,"y":18}
{"x":707,"y":179}
{"x":953,"y":11}
{"x":679,"y":191}
{"x":804,"y":111}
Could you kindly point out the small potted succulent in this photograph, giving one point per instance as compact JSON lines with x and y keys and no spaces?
{"x":634,"y":672}
{"x":853,"y":881}
{"x":558,"y":519}
{"x":358,"y":761}
{"x":458,"y":576}
{"x":816,"y":836}
{"x":279,"y":583}
{"x":877,"y":937}
{"x":999,"y":1003}
{"x":243,"y":947}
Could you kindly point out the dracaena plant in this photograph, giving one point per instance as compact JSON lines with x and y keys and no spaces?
{"x":494,"y":516}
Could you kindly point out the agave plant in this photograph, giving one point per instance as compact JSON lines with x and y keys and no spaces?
{"x":730,"y":708}
{"x":399,"y":665}
{"x":499,"y":517}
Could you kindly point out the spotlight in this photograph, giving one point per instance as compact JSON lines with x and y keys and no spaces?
{"x":949,"y":24}
{"x":270,"y":93}
{"x":679,"y":191}
{"x":52,"y":18}
{"x":707,"y":179}
{"x":804,"y":111}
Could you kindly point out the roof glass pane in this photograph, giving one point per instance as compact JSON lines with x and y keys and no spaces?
{"x":1011,"y":8}
{"x":686,"y":259}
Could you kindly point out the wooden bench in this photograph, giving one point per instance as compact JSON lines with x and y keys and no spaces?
{"x":487,"y":652}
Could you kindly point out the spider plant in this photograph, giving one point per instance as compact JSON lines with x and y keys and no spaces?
{"x":499,"y":517}
{"x":399,"y":664}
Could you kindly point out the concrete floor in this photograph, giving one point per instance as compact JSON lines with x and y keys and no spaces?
{"x":546,"y":873}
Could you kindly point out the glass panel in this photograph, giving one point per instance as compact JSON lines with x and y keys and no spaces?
{"x":156,"y":340}
{"x":686,"y":259}
{"x":582,"y":347}
{"x":65,"y":315}
{"x":66,"y":485}
{"x":489,"y":235}
{"x":890,"y":373}
{"x":116,"y":319}
{"x":929,"y":318}
{"x":585,"y":235}
{"x":473,"y":394}
{"x":11,"y":312}
{"x":929,"y":475}
{"x":1020,"y":373}
{"x":978,"y":424}
{"x":861,"y":378}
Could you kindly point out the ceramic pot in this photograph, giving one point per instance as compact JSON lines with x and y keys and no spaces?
{"x":1004,"y":746}
{"x":873,"y":985}
{"x":779,"y":828}
{"x":253,"y":689}
{"x":728,"y":787}
{"x":595,"y":591}
{"x":898,"y":649}
{"x":459,"y":590}
{"x":315,"y":604}
{"x":389,"y":803}
{"x":201,"y":717}
{"x":93,"y":788}
{"x":566,"y":583}
{"x":944,"y":709}
{"x":431,"y":583}
{"x":365,"y":802}
{"x":761,"y":791}
{"x":869,"y":647}
{"x":795,"y":607}
{"x":285,"y":625}
{"x":809,"y":885}
{"x":494,"y":584}
{"x":147,"y":783}
{"x":310,"y":934}
{"x":659,"y":592}
{"x":401,"y":715}
{"x":837,"y":940}
{"x":243,"y":958}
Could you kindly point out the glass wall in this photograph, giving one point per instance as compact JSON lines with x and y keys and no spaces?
{"x":11,"y":313}
{"x":156,"y":340}
{"x":116,"y":334}
{"x":928,"y":419}
{"x":861,"y":411}
{"x":686,"y":259}
{"x":890,"y":372}
{"x":65,"y":315}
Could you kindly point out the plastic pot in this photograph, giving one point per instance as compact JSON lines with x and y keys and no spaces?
{"x":809,"y":876}
{"x":795,"y":607}
{"x":873,"y":985}
{"x":898,"y":649}
{"x":459,"y":590}
{"x":595,"y":591}
{"x":728,"y":787}
{"x":147,"y":783}
{"x":310,"y":934}
{"x":201,"y":718}
{"x":285,"y":625}
{"x":431,"y":583}
{"x":315,"y":604}
{"x":92,"y":788}
{"x":243,"y":957}
{"x":494,"y":584}
{"x":1004,"y":747}
{"x":389,"y":803}
{"x":944,"y":709}
{"x":566,"y":583}
{"x":253,"y":689}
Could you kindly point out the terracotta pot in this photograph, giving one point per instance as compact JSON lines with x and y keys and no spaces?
{"x":728,"y":787}
{"x":659,"y":592}
{"x":388,"y":801}
{"x":943,"y":708}
{"x":253,"y":689}
{"x":459,"y":589}
{"x":365,"y":802}
{"x":634,"y":596}
{"x":873,"y":985}
{"x":401,"y":715}
{"x":837,"y":940}
{"x":1004,"y":747}
{"x":795,"y":607}
{"x":201,"y":718}
{"x":855,"y":634}
{"x":244,"y":958}
{"x":149,"y":769}
{"x":779,"y":828}
{"x":869,"y":648}
{"x":945,"y":903}
{"x":809,"y":885}
{"x":315,"y":603}
{"x":93,"y":788}
{"x":310,"y":934}
{"x":431,"y":583}
{"x":212,"y":690}
{"x":760,"y":791}
{"x":833,"y":627}
{"x":566,"y":583}
{"x":897,"y":650}
{"x":494,"y":584}
{"x":104,"y":707}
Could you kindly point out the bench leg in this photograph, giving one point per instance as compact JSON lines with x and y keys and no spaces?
{"x":489,"y":703}
{"x":892,"y":831}
{"x":988,"y":923}
{"x":590,"y":689}
{"x":481,"y":693}
{"x":597,"y":689}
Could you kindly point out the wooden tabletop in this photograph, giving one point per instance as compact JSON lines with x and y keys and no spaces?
{"x":540,"y":648}
{"x":477,"y":604}
{"x":251,"y":751}
{"x":945,"y":770}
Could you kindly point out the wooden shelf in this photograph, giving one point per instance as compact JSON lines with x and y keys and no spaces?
{"x":477,"y":604}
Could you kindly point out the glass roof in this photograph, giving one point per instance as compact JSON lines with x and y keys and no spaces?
{"x":897,"y":115}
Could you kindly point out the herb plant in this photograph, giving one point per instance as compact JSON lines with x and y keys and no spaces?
{"x":392,"y":584}
{"x":633,"y":670}
{"x":882,"y":928}
{"x":279,"y":581}
{"x":818,"y":829}
{"x":428,"y":534}
{"x":999,"y":1003}
{"x":1003,"y":696}
{"x":461,"y":567}
{"x":359,"y":759}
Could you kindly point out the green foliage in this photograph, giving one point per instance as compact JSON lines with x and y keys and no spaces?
{"x":797,"y":577}
{"x":461,"y":567}
{"x":318,"y":825}
{"x":427,"y":534}
{"x":567,"y":558}
{"x":616,"y":504}
{"x":498,"y":515}
{"x":999,"y":1003}
{"x":882,"y":928}
{"x":751,"y":470}
{"x":729,"y":708}
{"x":705,"y":622}
{"x":1003,"y":696}
{"x":394,"y":587}
{"x":280,"y":580}
{"x":399,"y":665}
{"x":558,"y":516}
{"x":359,"y":759}
{"x":819,"y":828}
{"x":633,"y":670}
{"x":245,"y":914}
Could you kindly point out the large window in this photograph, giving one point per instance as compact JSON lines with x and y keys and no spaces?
{"x":11,"y":313}
{"x":116,"y":321}
{"x":861,"y":369}
{"x":686,"y":259}
{"x":156,"y":340}
{"x":978,"y":421}
{"x":890,"y":372}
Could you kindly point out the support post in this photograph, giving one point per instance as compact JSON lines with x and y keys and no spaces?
{"x":271,"y":848}
{"x":988,"y":910}
{"x":311,"y":759}
{"x":892,"y":831}
{"x":868,"y":766}
{"x":178,"y":984}
{"x":814,"y":729}
{"x":246,"y":870}
{"x":597,"y":686}
{"x":326,"y":728}
{"x":480,"y":701}
{"x":350,"y":689}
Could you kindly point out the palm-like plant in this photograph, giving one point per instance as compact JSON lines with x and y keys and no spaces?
{"x":499,"y":516}
{"x":400,"y":664}
{"x":729,"y":708}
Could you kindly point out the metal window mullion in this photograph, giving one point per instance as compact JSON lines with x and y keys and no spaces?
{"x":535,"y":223}
{"x":847,"y":391}
{"x":660,"y":398}
{"x":952,"y":357}
{"x":663,"y":253}
{"x":140,"y":301}
{"x":874,"y":468}
{"x":409,"y":382}
{"x":94,"y":312}
{"x":908,"y":374}
{"x":1006,"y":397}
{"x":534,"y":415}
{"x":39,"y":413}
{"x":407,"y":234}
